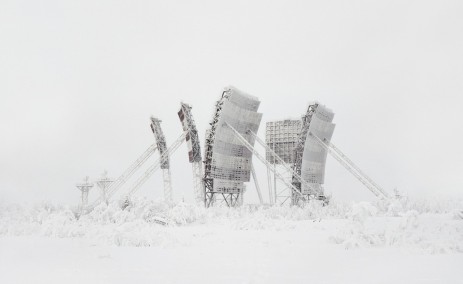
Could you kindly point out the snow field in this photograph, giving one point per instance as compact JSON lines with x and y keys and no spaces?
{"x":341,"y":243}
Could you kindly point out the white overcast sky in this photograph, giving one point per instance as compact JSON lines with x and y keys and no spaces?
{"x":79,"y":80}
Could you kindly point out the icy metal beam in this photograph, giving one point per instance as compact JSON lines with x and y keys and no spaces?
{"x":280,"y":161}
{"x":194,"y":150}
{"x":263,"y":160}
{"x":342,"y":155}
{"x":160,"y":140}
{"x":254,"y":177}
{"x":164,"y":162}
{"x":157,"y":164}
{"x":121,"y":180}
{"x":301,"y":138}
{"x":352,"y":168}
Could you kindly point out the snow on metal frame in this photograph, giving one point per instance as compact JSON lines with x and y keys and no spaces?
{"x":281,"y":136}
{"x":189,"y":127}
{"x":314,"y":155}
{"x":230,"y":162}
{"x":160,"y":141}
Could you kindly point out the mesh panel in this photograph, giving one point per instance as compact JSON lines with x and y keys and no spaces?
{"x":231,"y":161}
{"x":314,"y":157}
{"x":281,"y":136}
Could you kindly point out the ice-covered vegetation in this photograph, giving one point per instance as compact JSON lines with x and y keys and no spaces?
{"x":435,"y":226}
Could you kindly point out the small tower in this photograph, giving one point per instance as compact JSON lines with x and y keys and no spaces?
{"x":104,"y":183}
{"x":84,"y":188}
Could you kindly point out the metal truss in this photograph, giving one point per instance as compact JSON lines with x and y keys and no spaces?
{"x":208,"y":181}
{"x":198,"y":185}
{"x":281,"y":163}
{"x":164,"y":162}
{"x":351,"y":167}
{"x":156,"y":165}
{"x":104,"y":183}
{"x":167,"y":181}
{"x":284,"y":195}
{"x":269,"y":182}
{"x":84,"y":188}
{"x":121,"y":180}
{"x":229,"y":199}
{"x":254,"y":177}
{"x":267,"y":163}
{"x":194,"y":151}
{"x":299,"y":149}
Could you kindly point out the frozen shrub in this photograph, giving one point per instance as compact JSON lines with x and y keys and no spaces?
{"x":184,"y":213}
{"x":410,"y":220}
{"x":458,"y":214}
{"x":361,"y":211}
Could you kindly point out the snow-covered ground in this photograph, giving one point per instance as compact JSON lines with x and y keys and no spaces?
{"x":406,"y":242}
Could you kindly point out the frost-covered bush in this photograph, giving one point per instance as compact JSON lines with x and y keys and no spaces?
{"x":410,"y":229}
{"x":458,"y":214}
{"x":184,"y":213}
{"x":146,"y":222}
{"x":422,"y":205}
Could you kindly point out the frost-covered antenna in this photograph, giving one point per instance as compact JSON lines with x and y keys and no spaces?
{"x":281,"y":137}
{"x":194,"y":150}
{"x":84,"y":188}
{"x":310,"y":157}
{"x":104,"y":183}
{"x":300,"y":144}
{"x":227,"y":163}
{"x":162,"y":147}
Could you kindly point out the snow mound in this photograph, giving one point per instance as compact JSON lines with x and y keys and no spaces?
{"x":430,"y":232}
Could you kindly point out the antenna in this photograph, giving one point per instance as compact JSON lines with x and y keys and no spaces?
{"x":84,"y":188}
{"x":104,"y":183}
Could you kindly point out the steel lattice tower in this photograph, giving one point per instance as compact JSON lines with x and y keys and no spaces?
{"x":281,"y":139}
{"x":104,"y":183}
{"x":299,"y":149}
{"x":227,"y":162}
{"x":194,"y":151}
{"x":165,"y":165}
{"x":84,"y":188}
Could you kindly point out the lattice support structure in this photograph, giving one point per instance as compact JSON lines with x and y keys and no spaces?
{"x":314,"y":157}
{"x":269,"y":182}
{"x":198,"y":185}
{"x":383,"y":194}
{"x":84,"y":188}
{"x":208,"y":180}
{"x":194,"y":151}
{"x":351,"y":167}
{"x":264,"y":160}
{"x":104,"y":183}
{"x":275,"y":159}
{"x":227,"y":163}
{"x":165,"y":161}
{"x":282,"y":195}
{"x":167,"y":180}
{"x":122,"y":179}
{"x":299,"y":150}
{"x":155,"y":166}
{"x":256,"y":183}
{"x":281,"y":139}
